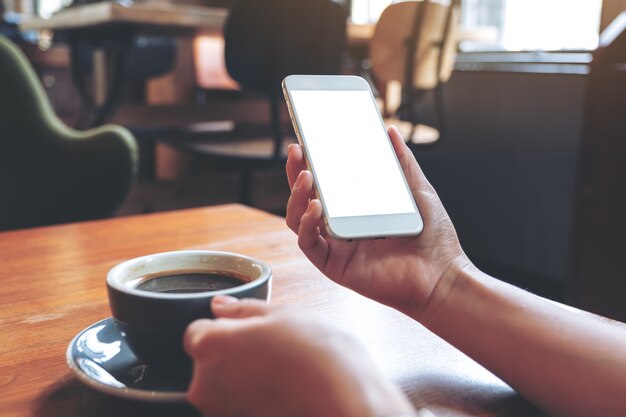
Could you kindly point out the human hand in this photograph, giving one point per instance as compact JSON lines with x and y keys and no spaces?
{"x":259,"y":360}
{"x":402,"y":272}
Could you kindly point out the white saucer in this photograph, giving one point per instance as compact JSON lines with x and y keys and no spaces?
{"x":101,"y":359}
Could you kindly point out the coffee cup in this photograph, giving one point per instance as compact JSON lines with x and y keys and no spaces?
{"x":154,"y":298}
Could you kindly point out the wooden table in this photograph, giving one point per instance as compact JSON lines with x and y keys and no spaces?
{"x":156,"y":16}
{"x":53,"y":286}
{"x":162,"y":16}
{"x":109,"y":29}
{"x":149,"y":15}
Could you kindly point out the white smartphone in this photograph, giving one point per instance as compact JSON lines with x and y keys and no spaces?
{"x":357,"y":175}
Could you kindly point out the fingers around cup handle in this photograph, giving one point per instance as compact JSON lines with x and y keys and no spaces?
{"x":194,"y":333}
{"x":233,"y":308}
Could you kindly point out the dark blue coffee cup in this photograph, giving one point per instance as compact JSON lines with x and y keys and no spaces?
{"x":154,"y":298}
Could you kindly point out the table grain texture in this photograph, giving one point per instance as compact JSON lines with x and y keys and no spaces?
{"x":52,"y":285}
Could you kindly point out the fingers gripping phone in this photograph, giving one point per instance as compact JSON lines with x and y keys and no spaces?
{"x":357,"y":176}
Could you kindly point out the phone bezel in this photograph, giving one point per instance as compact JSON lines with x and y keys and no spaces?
{"x":353,"y":227}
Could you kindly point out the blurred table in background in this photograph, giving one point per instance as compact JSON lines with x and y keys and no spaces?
{"x":149,"y":16}
{"x":164,"y":18}
{"x":117,"y":26}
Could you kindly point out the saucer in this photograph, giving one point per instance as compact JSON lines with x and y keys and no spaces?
{"x":100,"y":358}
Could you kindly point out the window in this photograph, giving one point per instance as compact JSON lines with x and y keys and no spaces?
{"x":515,"y":25}
{"x":46,"y":8}
{"x":368,"y":11}
{"x":533,"y":25}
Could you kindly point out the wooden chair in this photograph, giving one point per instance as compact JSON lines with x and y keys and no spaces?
{"x":412,"y":52}
{"x":50,"y":173}
{"x":264,"y":42}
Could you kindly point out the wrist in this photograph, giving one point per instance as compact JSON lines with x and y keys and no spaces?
{"x":454,"y":277}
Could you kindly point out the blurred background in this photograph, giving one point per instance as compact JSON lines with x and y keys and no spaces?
{"x":526,"y":131}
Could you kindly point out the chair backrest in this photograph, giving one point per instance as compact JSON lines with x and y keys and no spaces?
{"x":427,"y":28}
{"x":50,"y":173}
{"x":24,"y":105}
{"x":266,"y":40}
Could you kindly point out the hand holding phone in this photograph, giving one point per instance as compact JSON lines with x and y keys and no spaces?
{"x":400,"y":273}
{"x":357,"y":175}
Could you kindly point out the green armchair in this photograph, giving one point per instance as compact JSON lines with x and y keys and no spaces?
{"x":50,"y":173}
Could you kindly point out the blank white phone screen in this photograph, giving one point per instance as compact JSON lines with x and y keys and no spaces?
{"x":350,"y":152}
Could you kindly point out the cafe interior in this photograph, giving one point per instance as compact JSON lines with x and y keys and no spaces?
{"x":114,"y":111}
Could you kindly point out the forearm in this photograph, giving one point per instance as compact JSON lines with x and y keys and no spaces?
{"x":569,"y":363}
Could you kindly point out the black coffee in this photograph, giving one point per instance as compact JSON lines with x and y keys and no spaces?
{"x":188,"y":282}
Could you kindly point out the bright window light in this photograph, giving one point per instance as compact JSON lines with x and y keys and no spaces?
{"x":368,"y":11}
{"x":515,"y":25}
{"x":48,"y":7}
{"x":551,"y":25}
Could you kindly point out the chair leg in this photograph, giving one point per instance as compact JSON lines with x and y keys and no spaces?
{"x":276,"y":128}
{"x":245,"y":187}
{"x":440,"y":109}
{"x":411,"y":115}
